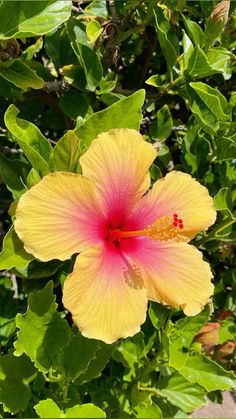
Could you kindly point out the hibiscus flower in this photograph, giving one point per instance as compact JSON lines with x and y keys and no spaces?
{"x":132,"y":241}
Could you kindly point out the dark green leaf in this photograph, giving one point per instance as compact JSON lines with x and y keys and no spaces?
{"x":15,"y":375}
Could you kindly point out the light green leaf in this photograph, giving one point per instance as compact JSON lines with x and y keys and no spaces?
{"x":210,"y":375}
{"x":67,"y":152}
{"x":213,"y":99}
{"x":35,"y":146}
{"x":181,"y":392}
{"x":185,"y":331}
{"x":32,"y":178}
{"x":194,"y":31}
{"x":168,"y":40}
{"x":208,"y":105}
{"x":78,"y":354}
{"x":15,"y":375}
{"x":198,"y":64}
{"x":188,"y":49}
{"x":151,"y":411}
{"x":126,"y":113}
{"x":155,"y":80}
{"x":49,"y":409}
{"x":97,"y":8}
{"x":223,"y":200}
{"x":21,"y":75}
{"x":13,"y":172}
{"x":93,"y":30}
{"x":43,"y":333}
{"x":13,"y":252}
{"x":21,"y":19}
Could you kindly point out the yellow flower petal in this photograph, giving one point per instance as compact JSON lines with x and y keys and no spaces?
{"x":118,"y":162}
{"x":178,"y":193}
{"x":105,"y":295}
{"x":59,"y":216}
{"x":174,"y":274}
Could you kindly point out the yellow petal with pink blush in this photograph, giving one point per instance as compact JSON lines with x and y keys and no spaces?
{"x":59,"y":216}
{"x":105,"y":295}
{"x":174,"y":274}
{"x":181,"y":198}
{"x":118,"y":162}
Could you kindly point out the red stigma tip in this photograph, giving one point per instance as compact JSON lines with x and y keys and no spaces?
{"x":175,"y":215}
{"x":180,"y":221}
{"x":175,"y":224}
{"x":181,"y":226}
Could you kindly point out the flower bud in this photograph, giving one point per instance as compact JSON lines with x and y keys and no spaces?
{"x":224,"y":350}
{"x":208,"y":336}
{"x":216,"y":21}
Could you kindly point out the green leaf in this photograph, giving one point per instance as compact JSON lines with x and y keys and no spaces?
{"x":162,"y":127}
{"x":159,"y":315}
{"x":198,"y":64}
{"x":223,"y":200}
{"x":21,"y":75}
{"x":13,"y":252}
{"x":36,"y":269}
{"x":43,"y":332}
{"x":15,"y":375}
{"x":78,"y":354}
{"x":12,"y":172}
{"x":208,"y":105}
{"x":98,"y":363}
{"x":97,"y":8}
{"x":226,"y":149}
{"x":188,"y":49}
{"x":168,"y":40}
{"x":21,"y":19}
{"x":93,"y":30}
{"x":155,"y":80}
{"x":75,"y":104}
{"x":130,"y":351}
{"x":151,"y":411}
{"x":213,"y":99}
{"x":227,"y":331}
{"x":35,"y":146}
{"x":185,"y":331}
{"x":91,"y":64}
{"x":210,"y":375}
{"x":126,"y":113}
{"x":194,"y":31}
{"x":67,"y":152}
{"x":8,"y":310}
{"x":181,"y":392}
{"x":49,"y":409}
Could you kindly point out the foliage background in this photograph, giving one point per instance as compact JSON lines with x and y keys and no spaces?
{"x":67,"y":72}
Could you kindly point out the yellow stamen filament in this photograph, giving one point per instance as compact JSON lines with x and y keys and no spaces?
{"x":162,"y":229}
